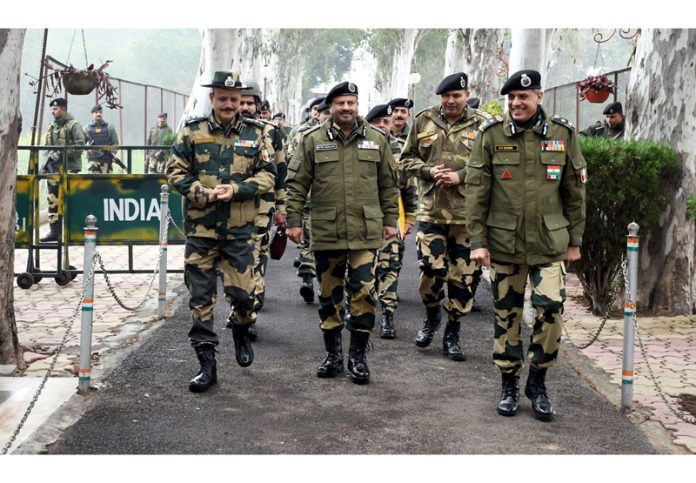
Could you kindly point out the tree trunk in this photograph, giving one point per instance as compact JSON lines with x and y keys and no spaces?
{"x":528,"y":50}
{"x":403,"y":58}
{"x":481,"y":62}
{"x":11,"y":42}
{"x":455,"y":58}
{"x":661,"y":103}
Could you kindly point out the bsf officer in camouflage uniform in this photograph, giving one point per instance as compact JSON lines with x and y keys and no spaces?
{"x":436,"y":153}
{"x":349,"y":169}
{"x":525,"y":210}
{"x":401,"y":113}
{"x":63,"y":131}
{"x":390,"y":258}
{"x":613,"y":126}
{"x":157,"y":159}
{"x":100,"y":133}
{"x":221,"y":164}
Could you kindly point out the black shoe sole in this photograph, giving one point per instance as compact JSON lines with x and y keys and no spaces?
{"x":425,"y":343}
{"x":307,"y":294}
{"x":507,"y":413}
{"x":388,"y":336}
{"x":360,"y":380}
{"x":454,"y":357}
{"x":198,"y":388}
{"x":329,"y":375}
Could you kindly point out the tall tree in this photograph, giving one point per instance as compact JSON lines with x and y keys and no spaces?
{"x":660,"y":106}
{"x":474,"y":51}
{"x":529,"y":50}
{"x":11,"y":42}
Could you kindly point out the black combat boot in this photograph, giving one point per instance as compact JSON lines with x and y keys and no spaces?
{"x":510,"y":395}
{"x":242,"y":346}
{"x":297,"y":262}
{"x":430,"y":324}
{"x":253,"y":335}
{"x":535,"y":390}
{"x":387,"y":330}
{"x":450,"y":341}
{"x":307,"y":289}
{"x":53,"y":235}
{"x":208,"y":373}
{"x":333,"y":362}
{"x":357,"y":363}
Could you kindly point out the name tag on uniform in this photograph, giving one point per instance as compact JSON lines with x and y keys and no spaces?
{"x":553,"y":145}
{"x":425,"y":134}
{"x":553,"y":173}
{"x":326,"y":147}
{"x":506,"y":148}
{"x":246,"y":143}
{"x":368,"y":144}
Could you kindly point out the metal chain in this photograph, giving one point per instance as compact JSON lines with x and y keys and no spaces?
{"x":170,"y":219}
{"x":612,"y":298}
{"x":149,"y":288}
{"x":60,"y":348}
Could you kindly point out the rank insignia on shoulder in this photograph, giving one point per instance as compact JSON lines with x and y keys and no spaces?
{"x":506,"y":148}
{"x":425,"y":134}
{"x":490,"y":122}
{"x":326,"y":147}
{"x":563,"y":122}
{"x":368,"y":144}
{"x":553,"y":145}
{"x":246,"y":143}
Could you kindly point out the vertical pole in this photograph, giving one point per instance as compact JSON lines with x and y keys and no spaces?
{"x":164,"y":215}
{"x":632,"y":244}
{"x":87,"y":306}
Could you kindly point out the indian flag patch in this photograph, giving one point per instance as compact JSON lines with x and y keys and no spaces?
{"x":553,"y":173}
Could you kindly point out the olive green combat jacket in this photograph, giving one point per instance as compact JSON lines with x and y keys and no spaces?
{"x":602,"y":129}
{"x":206,"y":154}
{"x":432,"y":142}
{"x":525,"y":191}
{"x":408,"y":188}
{"x":67,"y":132}
{"x":353,"y":185}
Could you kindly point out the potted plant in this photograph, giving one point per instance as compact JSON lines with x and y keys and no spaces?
{"x":596,"y":88}
{"x":79,"y":82}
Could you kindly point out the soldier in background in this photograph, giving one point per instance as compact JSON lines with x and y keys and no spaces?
{"x":401,"y":113}
{"x":156,"y":159}
{"x":390,"y":258}
{"x":613,"y":126}
{"x":100,"y":133}
{"x":349,"y":169}
{"x":436,"y":153}
{"x":265,"y":111}
{"x":525,"y":211}
{"x":63,"y":131}
{"x":221,"y":164}
{"x":280,"y":122}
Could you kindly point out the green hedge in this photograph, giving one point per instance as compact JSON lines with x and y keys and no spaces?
{"x":627,"y":181}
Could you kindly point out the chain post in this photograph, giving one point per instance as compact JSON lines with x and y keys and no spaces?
{"x":632,"y":244}
{"x":87,"y":308}
{"x":164,"y":225}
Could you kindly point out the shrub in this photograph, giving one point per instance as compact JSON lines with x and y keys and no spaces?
{"x":627,"y":181}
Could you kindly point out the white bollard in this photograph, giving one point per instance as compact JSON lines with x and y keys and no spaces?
{"x":632,"y":245}
{"x":164,"y":215}
{"x":87,"y":306}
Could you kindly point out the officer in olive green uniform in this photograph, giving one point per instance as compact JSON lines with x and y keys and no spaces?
{"x":220,"y":164}
{"x":525,"y":210}
{"x":613,"y":126}
{"x":401,"y":113}
{"x":349,"y":169}
{"x":100,"y":133}
{"x":390,"y":258}
{"x":63,"y":131}
{"x":436,"y":153}
{"x":156,"y":159}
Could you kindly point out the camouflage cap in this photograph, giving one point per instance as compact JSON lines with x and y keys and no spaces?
{"x":453,"y":82}
{"x":613,"y":108}
{"x":378,"y":112}
{"x":401,"y":102}
{"x":58,"y":101}
{"x":343,"y":89}
{"x":226,"y":79}
{"x":522,"y":80}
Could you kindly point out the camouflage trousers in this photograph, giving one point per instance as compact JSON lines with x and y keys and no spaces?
{"x":307,"y":262}
{"x":55,"y":193}
{"x":354,"y":271}
{"x":235,"y":260}
{"x":261,"y":250}
{"x":156,"y":164}
{"x":548,"y":294}
{"x":389,"y":262}
{"x":444,"y":257}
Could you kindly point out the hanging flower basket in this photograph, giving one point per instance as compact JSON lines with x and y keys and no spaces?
{"x":595,"y":88}
{"x":80,"y":82}
{"x":596,"y":96}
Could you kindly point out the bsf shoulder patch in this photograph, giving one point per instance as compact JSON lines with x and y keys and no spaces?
{"x":506,"y":148}
{"x":563,"y":122}
{"x":326,"y":147}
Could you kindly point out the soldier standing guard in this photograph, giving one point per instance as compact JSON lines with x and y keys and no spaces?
{"x":613,"y":126}
{"x":100,"y":133}
{"x":349,"y":169}
{"x":525,"y":209}
{"x":220,"y":164}
{"x":436,"y":153}
{"x":156,"y":159}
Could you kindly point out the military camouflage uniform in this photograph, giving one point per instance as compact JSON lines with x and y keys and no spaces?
{"x":602,"y":129}
{"x":525,"y":202}
{"x":442,"y":239}
{"x":100,"y":134}
{"x":63,"y":132}
{"x":391,"y":255}
{"x":156,"y":160}
{"x":354,"y":196}
{"x":220,"y":234}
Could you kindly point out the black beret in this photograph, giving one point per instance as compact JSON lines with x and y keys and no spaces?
{"x":522,"y":80}
{"x":401,"y":102}
{"x":613,"y":108}
{"x":280,"y":115}
{"x":379,"y":111}
{"x":226,"y":79}
{"x":474,"y":102}
{"x":58,"y":101}
{"x":96,"y":108}
{"x":323,"y":106}
{"x":316,"y":101}
{"x":163,"y":114}
{"x":343,"y":89}
{"x":265,"y":105}
{"x":454,"y":82}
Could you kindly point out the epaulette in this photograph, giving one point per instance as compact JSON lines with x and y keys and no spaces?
{"x":491,"y":122}
{"x":377,"y":129}
{"x":309,"y":130}
{"x":483,"y":114}
{"x":563,"y":122}
{"x":421,"y":112}
{"x":194,"y":119}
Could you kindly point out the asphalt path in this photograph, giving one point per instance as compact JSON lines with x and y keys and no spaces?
{"x":417,"y":402}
